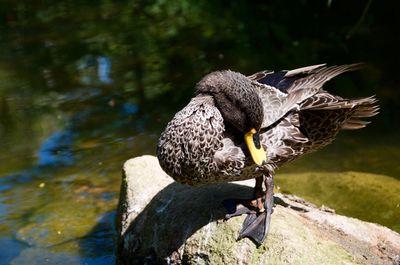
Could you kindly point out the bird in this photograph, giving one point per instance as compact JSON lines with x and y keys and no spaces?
{"x":239,"y":127}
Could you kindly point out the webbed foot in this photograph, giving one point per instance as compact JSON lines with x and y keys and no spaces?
{"x":237,"y":207}
{"x":256,"y":227}
{"x":257,"y":223}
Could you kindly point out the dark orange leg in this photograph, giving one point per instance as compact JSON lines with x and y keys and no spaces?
{"x":258,"y":195}
{"x":236,"y":207}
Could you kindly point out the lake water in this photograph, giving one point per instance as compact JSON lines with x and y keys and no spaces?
{"x":86,"y":85}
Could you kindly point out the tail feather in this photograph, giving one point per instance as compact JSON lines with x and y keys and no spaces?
{"x":357,"y":109}
{"x":365,"y":108}
{"x":353,"y":124}
{"x":366,"y":112}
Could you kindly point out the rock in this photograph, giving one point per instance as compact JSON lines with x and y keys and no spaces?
{"x":57,"y":223}
{"x":162,"y":222}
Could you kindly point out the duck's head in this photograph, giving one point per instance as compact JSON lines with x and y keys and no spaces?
{"x":240,"y":106}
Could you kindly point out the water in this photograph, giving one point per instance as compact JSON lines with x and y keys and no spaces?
{"x":86,"y":85}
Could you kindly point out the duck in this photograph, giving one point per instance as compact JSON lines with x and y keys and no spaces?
{"x":239,"y":127}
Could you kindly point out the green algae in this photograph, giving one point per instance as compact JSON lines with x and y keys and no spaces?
{"x":59,"y":222}
{"x":300,"y":244}
{"x":356,"y":176}
{"x":369,"y":197}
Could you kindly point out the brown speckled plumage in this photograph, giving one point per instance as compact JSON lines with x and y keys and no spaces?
{"x":293,"y":113}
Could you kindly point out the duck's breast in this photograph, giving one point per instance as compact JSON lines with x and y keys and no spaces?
{"x":187,"y":146}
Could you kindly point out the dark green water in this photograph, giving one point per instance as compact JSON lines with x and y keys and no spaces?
{"x":86,"y":85}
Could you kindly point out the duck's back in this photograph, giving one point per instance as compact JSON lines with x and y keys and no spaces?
{"x":187,"y":146}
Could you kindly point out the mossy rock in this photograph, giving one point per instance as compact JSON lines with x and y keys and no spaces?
{"x":161,"y":222}
{"x":59,"y":222}
{"x":369,"y":197}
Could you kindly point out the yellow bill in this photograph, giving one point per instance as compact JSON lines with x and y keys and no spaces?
{"x":257,"y":153}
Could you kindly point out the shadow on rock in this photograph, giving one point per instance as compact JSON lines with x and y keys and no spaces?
{"x":170,"y":218}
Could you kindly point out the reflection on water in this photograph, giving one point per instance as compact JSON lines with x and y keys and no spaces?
{"x":85,"y":86}
{"x":55,"y":150}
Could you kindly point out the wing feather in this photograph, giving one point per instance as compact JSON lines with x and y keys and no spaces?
{"x":294,"y":87}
